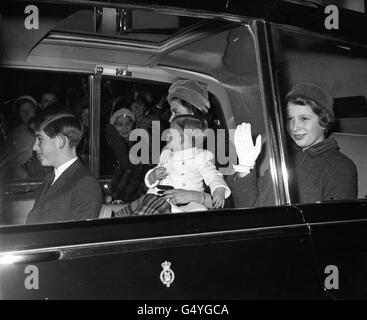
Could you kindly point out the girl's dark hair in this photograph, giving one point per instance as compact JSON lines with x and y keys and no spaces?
{"x":326,"y":120}
{"x":141,"y":98}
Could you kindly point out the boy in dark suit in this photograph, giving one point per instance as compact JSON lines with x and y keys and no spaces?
{"x":70,"y":192}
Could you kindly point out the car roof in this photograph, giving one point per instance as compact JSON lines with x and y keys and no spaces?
{"x":303,"y":14}
{"x":306,"y":15}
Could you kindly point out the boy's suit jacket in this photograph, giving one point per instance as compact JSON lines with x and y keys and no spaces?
{"x":75,"y":195}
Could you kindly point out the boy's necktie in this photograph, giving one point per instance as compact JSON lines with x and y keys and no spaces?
{"x":49,"y":183}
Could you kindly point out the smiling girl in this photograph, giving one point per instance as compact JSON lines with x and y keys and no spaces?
{"x":317,"y":170}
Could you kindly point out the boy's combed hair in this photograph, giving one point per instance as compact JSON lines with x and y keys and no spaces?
{"x":63,"y":123}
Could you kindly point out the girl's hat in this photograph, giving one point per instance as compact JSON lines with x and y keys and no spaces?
{"x":191,"y":91}
{"x":313,"y":92}
{"x":122,"y":112}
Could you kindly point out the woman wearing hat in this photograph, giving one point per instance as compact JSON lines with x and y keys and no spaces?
{"x":318,"y":171}
{"x":188,"y":97}
{"x":127,"y":182}
{"x":182,"y":162}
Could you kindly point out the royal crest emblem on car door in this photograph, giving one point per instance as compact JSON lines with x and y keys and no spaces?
{"x":167,"y":275}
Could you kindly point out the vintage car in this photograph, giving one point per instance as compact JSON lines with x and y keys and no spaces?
{"x":249,"y":54}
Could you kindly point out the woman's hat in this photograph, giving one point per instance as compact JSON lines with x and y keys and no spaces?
{"x":313,"y":92}
{"x":16,"y":104}
{"x":191,"y":91}
{"x":122,"y":112}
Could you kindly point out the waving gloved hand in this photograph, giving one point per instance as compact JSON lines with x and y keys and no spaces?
{"x":247,"y":152}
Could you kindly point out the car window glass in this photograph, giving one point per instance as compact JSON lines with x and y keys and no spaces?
{"x":235,"y":98}
{"x":231,"y":77}
{"x":26,"y":94}
{"x":341,"y":70}
{"x":127,"y":24}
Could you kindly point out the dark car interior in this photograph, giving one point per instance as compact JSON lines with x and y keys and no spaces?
{"x":153,"y":52}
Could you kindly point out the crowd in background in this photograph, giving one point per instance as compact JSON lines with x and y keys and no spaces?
{"x":122,"y":110}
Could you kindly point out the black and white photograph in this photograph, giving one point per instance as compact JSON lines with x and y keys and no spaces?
{"x":183,"y":154}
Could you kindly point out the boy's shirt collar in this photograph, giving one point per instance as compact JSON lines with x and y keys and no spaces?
{"x":58,"y":171}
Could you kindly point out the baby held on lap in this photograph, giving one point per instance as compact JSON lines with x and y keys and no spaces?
{"x":185,"y":165}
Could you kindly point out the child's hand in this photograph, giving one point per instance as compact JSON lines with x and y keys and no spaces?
{"x":158,"y":173}
{"x":218,"y":198}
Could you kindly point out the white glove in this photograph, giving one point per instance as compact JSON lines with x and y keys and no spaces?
{"x":247,"y":152}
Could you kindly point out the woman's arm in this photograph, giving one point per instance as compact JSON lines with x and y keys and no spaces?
{"x":244,"y":189}
{"x":243,"y":183}
{"x":246,"y":150}
{"x":180,"y":196}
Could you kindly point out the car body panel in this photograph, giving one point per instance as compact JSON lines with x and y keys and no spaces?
{"x":338,"y":232}
{"x":231,"y":246}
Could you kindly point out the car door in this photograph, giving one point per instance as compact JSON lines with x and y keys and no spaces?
{"x":337,"y":228}
{"x":235,"y":254}
{"x":339,"y":236}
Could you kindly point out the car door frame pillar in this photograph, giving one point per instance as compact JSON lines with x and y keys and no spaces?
{"x":272,"y":110}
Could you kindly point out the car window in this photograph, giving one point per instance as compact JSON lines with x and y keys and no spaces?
{"x":235,"y":98}
{"x":341,"y":70}
{"x":134,"y":24}
{"x":221,"y":58}
{"x":24,"y":95}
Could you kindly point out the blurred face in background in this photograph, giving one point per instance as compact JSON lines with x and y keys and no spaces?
{"x":149,"y":97}
{"x":47,"y":99}
{"x":124,"y":125}
{"x":84,"y":117}
{"x":138,"y":109}
{"x":27,"y":111}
